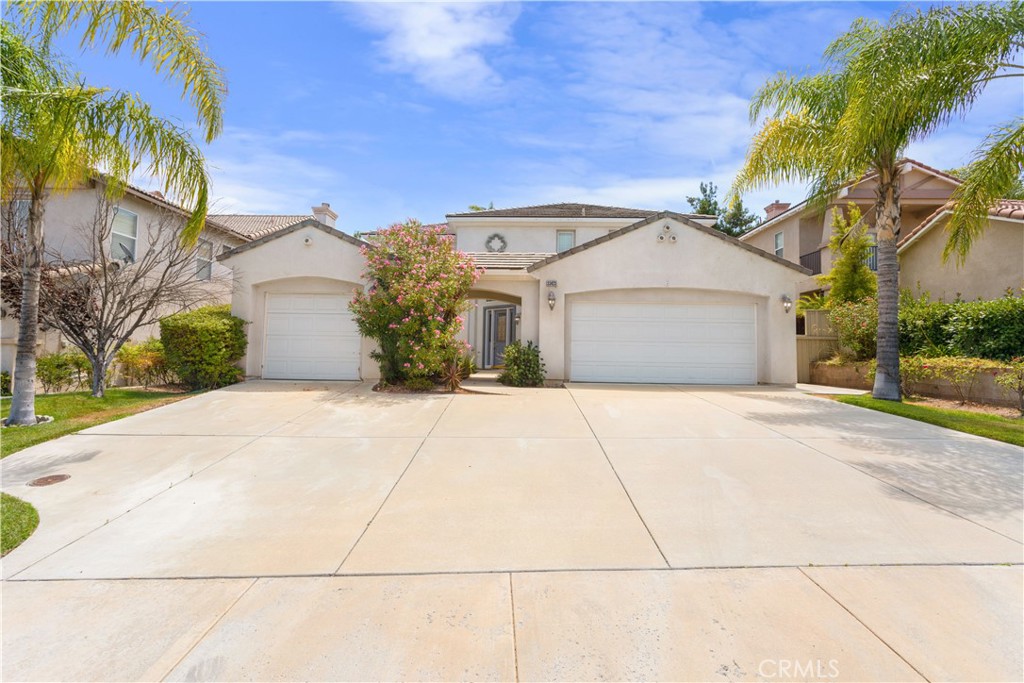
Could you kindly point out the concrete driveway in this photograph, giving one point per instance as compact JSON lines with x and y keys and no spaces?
{"x":312,"y":531}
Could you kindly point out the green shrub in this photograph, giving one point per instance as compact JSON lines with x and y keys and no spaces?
{"x":987,"y":329}
{"x":5,"y":383}
{"x":143,"y":363}
{"x":922,"y":325}
{"x":1011,"y":379}
{"x":856,"y":325}
{"x":523,"y":366}
{"x":202,"y":346}
{"x":61,"y":371}
{"x":961,"y":373}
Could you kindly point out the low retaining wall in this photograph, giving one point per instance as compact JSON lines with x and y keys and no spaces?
{"x":855,"y":376}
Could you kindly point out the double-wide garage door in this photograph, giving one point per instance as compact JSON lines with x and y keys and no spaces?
{"x":310,"y":336}
{"x":663,"y":343}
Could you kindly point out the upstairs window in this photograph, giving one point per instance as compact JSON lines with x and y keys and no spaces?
{"x":778,"y":244}
{"x":124,"y":235}
{"x":566,"y":240}
{"x":204,"y":260}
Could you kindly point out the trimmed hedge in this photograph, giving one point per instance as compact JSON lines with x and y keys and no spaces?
{"x":202,"y":346}
{"x":979,"y":329}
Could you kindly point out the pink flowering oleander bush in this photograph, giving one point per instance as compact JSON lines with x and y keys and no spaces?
{"x":856,"y":325}
{"x":419,"y":284}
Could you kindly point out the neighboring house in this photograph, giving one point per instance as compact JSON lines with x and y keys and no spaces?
{"x":68,"y":219}
{"x":801,"y":234}
{"x":608,"y":294}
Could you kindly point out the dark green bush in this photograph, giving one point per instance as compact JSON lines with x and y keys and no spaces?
{"x":5,"y":383}
{"x":922,"y":326}
{"x":202,"y":346}
{"x":987,"y":329}
{"x":523,"y":366}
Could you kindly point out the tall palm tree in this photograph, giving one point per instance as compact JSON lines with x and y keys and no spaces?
{"x":926,"y":68}
{"x":56,"y":131}
{"x":858,"y":116}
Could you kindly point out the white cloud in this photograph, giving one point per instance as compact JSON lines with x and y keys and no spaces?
{"x":257,"y":172}
{"x":442,"y":45}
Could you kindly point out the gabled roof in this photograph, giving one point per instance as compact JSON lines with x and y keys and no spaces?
{"x":557,"y":211}
{"x":158,"y":200}
{"x":309,"y":222}
{"x":503,"y":260}
{"x":1010,"y":209}
{"x":254,"y":226}
{"x":791,"y":211}
{"x":682,"y":218}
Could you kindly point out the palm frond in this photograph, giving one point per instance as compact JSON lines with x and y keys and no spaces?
{"x":161,"y":38}
{"x":995,"y":171}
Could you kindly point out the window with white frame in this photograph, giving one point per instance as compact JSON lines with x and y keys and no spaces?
{"x":204,"y":260}
{"x":778,"y":244}
{"x":124,"y":235}
{"x":565,"y":240}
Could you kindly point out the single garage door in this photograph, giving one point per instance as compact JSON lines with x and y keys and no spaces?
{"x":663,"y":344}
{"x":310,"y":336}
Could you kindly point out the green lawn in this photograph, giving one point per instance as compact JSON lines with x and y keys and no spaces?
{"x":1010,"y":430}
{"x":76,"y":411}
{"x":18,"y":520}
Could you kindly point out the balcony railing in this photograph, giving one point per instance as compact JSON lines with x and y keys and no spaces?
{"x":812,"y":261}
{"x":872,"y":259}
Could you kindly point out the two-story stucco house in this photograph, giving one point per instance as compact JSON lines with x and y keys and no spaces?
{"x":995,"y":264}
{"x":608,"y":294}
{"x":68,"y":220}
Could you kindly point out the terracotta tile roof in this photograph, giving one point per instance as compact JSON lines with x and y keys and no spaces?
{"x":1003,"y":208}
{"x":559,"y":211}
{"x":501,"y":260}
{"x":254,"y":226}
{"x":308,"y":221}
{"x":1008,"y":208}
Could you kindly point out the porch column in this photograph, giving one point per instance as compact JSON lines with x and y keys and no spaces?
{"x":529,"y":319}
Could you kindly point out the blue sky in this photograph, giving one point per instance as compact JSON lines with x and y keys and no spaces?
{"x":393,"y":110}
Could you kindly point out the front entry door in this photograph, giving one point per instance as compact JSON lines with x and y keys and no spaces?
{"x":498,"y":333}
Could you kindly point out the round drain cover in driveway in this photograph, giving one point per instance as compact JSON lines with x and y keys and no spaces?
{"x":49,"y":479}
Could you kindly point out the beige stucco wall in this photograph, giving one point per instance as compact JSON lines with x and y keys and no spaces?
{"x":289,"y":265}
{"x":697,"y":268}
{"x":994,"y":264}
{"x":529,"y":235}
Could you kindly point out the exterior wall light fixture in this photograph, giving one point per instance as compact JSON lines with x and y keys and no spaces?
{"x":551,"y":299}
{"x":787,"y":303}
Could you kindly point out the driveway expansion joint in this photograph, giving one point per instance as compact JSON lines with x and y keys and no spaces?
{"x":868,"y":628}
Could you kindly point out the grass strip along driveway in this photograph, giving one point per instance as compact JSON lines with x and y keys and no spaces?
{"x":1008,"y":430}
{"x":18,"y":520}
{"x":79,"y":410}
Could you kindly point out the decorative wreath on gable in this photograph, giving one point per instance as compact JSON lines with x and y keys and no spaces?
{"x":496,"y":242}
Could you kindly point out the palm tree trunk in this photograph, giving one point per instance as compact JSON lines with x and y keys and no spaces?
{"x":23,"y":398}
{"x":887,"y":224}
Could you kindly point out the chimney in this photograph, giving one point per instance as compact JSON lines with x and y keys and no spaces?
{"x":774,"y":209}
{"x":325,"y":215}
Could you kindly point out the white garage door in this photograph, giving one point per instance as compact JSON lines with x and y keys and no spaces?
{"x":310,"y":336}
{"x":664,"y":344}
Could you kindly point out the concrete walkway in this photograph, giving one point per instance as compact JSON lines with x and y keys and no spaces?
{"x":320,"y":531}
